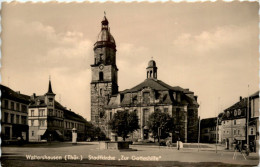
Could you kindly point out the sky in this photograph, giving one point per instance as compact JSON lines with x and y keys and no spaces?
{"x":210,"y":48}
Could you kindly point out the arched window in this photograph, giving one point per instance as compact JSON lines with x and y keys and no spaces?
{"x":101,"y":76}
{"x":150,"y":74}
{"x":100,"y":91}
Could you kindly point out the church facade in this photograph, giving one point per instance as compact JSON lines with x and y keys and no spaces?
{"x":145,"y":98}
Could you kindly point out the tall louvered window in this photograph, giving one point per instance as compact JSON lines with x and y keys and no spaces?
{"x":145,"y":116}
{"x":146,"y":98}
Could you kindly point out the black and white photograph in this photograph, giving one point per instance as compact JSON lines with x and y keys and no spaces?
{"x":133,"y":83}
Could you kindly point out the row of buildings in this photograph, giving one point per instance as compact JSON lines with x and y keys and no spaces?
{"x":238,"y":122}
{"x":37,"y":118}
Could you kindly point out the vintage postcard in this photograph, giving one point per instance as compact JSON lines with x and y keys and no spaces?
{"x":130,"y":83}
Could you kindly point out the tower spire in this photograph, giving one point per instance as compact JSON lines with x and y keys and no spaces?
{"x":50,"y":88}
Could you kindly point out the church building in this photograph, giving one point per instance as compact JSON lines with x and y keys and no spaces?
{"x":145,"y":98}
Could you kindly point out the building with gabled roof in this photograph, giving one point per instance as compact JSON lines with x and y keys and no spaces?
{"x":73,"y":120}
{"x":234,"y":121}
{"x":49,"y":120}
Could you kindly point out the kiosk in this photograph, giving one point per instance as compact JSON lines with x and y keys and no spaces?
{"x":74,"y":136}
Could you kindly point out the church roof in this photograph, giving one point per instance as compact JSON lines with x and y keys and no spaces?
{"x":156,"y":85}
{"x":125,"y":98}
{"x":113,"y":102}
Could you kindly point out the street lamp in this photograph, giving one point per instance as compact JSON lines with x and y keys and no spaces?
{"x":247,"y":120}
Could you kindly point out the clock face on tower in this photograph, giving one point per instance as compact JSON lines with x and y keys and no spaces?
{"x":101,"y":67}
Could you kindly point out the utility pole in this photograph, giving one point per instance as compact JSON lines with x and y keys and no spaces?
{"x":247,"y":118}
{"x":217,"y":128}
{"x":217,"y":135}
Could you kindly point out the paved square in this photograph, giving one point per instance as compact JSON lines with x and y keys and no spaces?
{"x":90,"y":154}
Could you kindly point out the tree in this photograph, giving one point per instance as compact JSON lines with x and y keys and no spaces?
{"x":99,"y":134}
{"x":94,"y":133}
{"x":124,"y":123}
{"x":160,"y":120}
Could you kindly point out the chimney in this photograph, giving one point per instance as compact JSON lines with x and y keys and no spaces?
{"x":240,"y":98}
{"x":33,"y":96}
{"x":18,"y":92}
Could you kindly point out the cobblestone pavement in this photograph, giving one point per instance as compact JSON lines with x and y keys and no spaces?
{"x":88,"y":153}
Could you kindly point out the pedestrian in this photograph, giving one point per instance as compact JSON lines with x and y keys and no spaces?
{"x":237,"y":145}
{"x":227,"y":144}
{"x":251,"y":146}
{"x":50,"y":138}
{"x":178,"y":143}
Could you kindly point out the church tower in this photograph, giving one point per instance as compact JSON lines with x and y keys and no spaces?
{"x":104,"y":75}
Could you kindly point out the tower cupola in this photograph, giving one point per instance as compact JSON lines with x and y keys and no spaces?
{"x":151,"y":70}
{"x":104,"y":23}
{"x":105,"y":47}
{"x":105,"y":39}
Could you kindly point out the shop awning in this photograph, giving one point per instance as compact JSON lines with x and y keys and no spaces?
{"x":59,"y":132}
{"x":240,"y":138}
{"x":41,"y":132}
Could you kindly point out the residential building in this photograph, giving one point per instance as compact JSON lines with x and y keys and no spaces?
{"x":49,"y":120}
{"x":253,"y":125}
{"x":14,"y":115}
{"x":208,"y":130}
{"x":233,"y":122}
{"x":73,"y":120}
